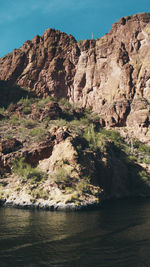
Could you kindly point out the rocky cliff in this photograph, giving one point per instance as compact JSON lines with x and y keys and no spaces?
{"x":55,"y":153}
{"x":111,"y":75}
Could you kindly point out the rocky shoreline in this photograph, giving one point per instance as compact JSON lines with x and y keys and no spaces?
{"x":50,"y":207}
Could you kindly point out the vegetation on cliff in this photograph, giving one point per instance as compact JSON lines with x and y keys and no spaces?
{"x":57,"y":154}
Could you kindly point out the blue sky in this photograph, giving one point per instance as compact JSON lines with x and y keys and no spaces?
{"x":21,"y":20}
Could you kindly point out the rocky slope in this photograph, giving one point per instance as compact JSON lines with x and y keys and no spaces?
{"x":111,"y":75}
{"x":56,"y":156}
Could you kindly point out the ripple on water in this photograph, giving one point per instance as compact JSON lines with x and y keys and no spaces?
{"x":116,"y":235}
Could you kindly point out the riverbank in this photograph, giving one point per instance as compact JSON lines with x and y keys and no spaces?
{"x":50,"y":207}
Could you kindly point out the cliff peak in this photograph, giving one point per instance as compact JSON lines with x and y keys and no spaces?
{"x":110,"y":75}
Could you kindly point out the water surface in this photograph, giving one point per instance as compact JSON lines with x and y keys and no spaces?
{"x":116,"y":235}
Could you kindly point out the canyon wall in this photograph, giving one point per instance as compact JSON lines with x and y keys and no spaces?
{"x":111,"y":75}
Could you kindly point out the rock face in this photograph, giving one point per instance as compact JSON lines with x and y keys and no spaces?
{"x":111,"y":75}
{"x":9,"y":145}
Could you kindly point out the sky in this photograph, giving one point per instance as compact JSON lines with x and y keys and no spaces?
{"x":21,"y":20}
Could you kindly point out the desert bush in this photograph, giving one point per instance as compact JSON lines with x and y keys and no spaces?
{"x":61,"y":123}
{"x":141,"y":147}
{"x":62,"y":175}
{"x":114,"y":136}
{"x":29,"y":123}
{"x":39,"y":133}
{"x":14,"y":121}
{"x":27,"y":102}
{"x":83,"y":184}
{"x":25,"y":171}
{"x":95,"y":139}
{"x":84,"y":121}
{"x":65,"y":103}
{"x":144,"y":179}
{"x":132,"y":158}
{"x":2,"y":110}
{"x":27,"y":110}
{"x":8,"y":136}
{"x":39,"y":193}
{"x":41,"y":102}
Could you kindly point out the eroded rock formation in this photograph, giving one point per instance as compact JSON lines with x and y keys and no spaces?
{"x":111,"y":75}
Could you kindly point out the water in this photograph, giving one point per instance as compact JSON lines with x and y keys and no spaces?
{"x":116,"y":235}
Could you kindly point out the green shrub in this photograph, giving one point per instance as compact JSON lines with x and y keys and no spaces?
{"x":39,"y":133}
{"x":144,"y":177}
{"x":27,"y":102}
{"x":14,"y":121}
{"x":83,"y":184}
{"x":2,"y":111}
{"x":25,"y":171}
{"x":39,"y":193}
{"x":95,"y":139}
{"x":114,"y":136}
{"x":61,"y":123}
{"x":41,"y":102}
{"x":147,"y":161}
{"x":132,"y":158}
{"x":84,"y":121}
{"x":27,"y":110}
{"x":62,"y":175}
{"x":7,"y":136}
{"x":141,"y":147}
{"x":65,"y":103}
{"x":29,"y":123}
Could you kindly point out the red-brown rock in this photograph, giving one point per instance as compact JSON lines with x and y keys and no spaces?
{"x":106,"y":74}
{"x":9,"y":145}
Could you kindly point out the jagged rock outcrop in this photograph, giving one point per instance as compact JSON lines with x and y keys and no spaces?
{"x":69,"y":175}
{"x":111,"y":75}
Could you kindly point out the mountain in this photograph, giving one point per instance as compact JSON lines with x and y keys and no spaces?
{"x":111,"y":75}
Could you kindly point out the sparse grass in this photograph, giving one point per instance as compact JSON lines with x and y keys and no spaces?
{"x":39,"y":133}
{"x":14,"y":121}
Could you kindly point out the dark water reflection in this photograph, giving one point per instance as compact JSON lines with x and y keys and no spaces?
{"x":116,"y":235}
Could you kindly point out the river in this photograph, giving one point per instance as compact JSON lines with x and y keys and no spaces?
{"x":116,"y":235}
